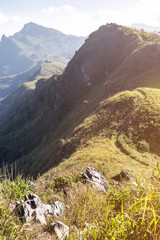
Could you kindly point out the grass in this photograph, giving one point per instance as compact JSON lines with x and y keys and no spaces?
{"x":109,"y":134}
{"x":47,"y":69}
{"x":130,"y":59}
{"x":119,"y":215}
{"x":112,"y":137}
{"x":11,"y":191}
{"x":120,"y":132}
{"x":128,"y":211}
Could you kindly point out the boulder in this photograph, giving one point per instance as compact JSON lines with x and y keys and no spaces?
{"x":98,"y":181}
{"x":124,"y":177}
{"x":32,"y":208}
{"x":57,"y":208}
{"x":59,"y":230}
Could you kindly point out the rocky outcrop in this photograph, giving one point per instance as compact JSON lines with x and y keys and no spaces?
{"x":59,"y":230}
{"x":32,"y":208}
{"x":124,"y":177}
{"x":98,"y":181}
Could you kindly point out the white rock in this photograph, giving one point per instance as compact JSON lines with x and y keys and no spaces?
{"x":34,"y":209}
{"x":59,"y":230}
{"x":98,"y":181}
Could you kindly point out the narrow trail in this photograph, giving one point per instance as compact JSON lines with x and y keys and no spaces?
{"x":126,"y":120}
{"x":130,"y":114}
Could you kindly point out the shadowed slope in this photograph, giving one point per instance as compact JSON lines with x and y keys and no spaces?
{"x":54,"y":120}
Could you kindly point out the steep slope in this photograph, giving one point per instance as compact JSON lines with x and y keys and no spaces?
{"x":131,"y":116}
{"x":12,"y":88}
{"x":122,"y":134}
{"x":49,"y":125}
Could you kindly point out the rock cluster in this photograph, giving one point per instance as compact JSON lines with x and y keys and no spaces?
{"x":32,"y":208}
{"x":98,"y":181}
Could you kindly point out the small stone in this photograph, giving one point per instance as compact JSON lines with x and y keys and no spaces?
{"x":60,"y":230}
{"x":124,"y":177}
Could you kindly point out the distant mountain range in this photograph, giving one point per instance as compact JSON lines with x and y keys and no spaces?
{"x":34,"y":43}
{"x":23,"y":53}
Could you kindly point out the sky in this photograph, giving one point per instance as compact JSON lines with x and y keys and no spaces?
{"x":76,"y":17}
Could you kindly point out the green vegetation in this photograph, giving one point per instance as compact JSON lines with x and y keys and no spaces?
{"x":110,"y":123}
{"x":126,"y":123}
{"x":12,"y":190}
{"x":45,"y":71}
{"x":125,"y":212}
{"x":114,"y":58}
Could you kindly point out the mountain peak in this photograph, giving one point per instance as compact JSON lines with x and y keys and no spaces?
{"x":30,"y":26}
{"x":36,"y":30}
{"x":3,"y":37}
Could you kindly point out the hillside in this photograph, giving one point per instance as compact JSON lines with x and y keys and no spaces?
{"x":101,"y":113}
{"x":14,"y":87}
{"x":113,"y":59}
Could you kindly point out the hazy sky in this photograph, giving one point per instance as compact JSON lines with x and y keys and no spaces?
{"x":79,"y":17}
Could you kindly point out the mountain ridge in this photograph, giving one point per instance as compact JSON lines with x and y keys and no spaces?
{"x":101,"y":113}
{"x":109,"y":62}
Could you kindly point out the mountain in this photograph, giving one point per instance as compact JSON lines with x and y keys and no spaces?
{"x":33,"y":43}
{"x":106,"y":100}
{"x":101,"y":113}
{"x":24,"y":52}
{"x":147,"y":28}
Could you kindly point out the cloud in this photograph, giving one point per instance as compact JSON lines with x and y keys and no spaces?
{"x":148,"y":12}
{"x":11,"y":24}
{"x":17,"y":18}
{"x":70,"y":20}
{"x":3,"y":17}
{"x":65,"y":9}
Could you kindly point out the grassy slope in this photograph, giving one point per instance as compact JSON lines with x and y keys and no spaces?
{"x":109,"y":136}
{"x":121,"y":134}
{"x":109,"y":133}
{"x":115,"y":42}
{"x":46,"y":70}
